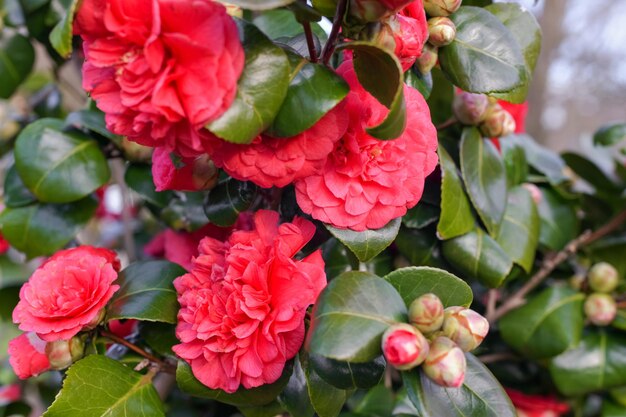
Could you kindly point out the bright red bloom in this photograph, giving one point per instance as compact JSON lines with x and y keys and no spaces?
{"x":411,"y":35}
{"x":277,"y":162}
{"x":4,"y":245}
{"x":9,"y":394}
{"x":194,"y":174}
{"x":67,"y":293}
{"x":123,"y":328}
{"x":243,"y":303}
{"x":160,"y":69}
{"x":537,"y":405}
{"x":368,"y":182}
{"x":27,"y":355}
{"x":519,"y":112}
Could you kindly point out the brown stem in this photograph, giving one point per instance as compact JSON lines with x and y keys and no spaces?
{"x":451,"y":121}
{"x":163,"y":366}
{"x":310,"y":43}
{"x":492,"y":298}
{"x":550,"y":263}
{"x":329,"y":48}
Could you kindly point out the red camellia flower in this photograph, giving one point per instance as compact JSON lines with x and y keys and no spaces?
{"x":160,"y":69}
{"x":67,"y":293}
{"x":536,"y":405}
{"x":4,"y":245}
{"x":277,"y":162}
{"x":244,"y":301}
{"x":194,"y":174}
{"x":27,"y":355}
{"x":411,"y":35}
{"x":368,"y":182}
{"x":9,"y":394}
{"x":519,"y":112}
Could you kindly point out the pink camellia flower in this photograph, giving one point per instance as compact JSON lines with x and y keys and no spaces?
{"x":67,"y":293}
{"x":277,"y":162}
{"x":518,"y":111}
{"x":536,"y":405}
{"x":243,"y":303}
{"x":160,"y":69}
{"x":194,"y":174}
{"x":10,"y":394}
{"x":27,"y":355}
{"x":412,"y":34}
{"x":404,"y":347}
{"x":368,"y":182}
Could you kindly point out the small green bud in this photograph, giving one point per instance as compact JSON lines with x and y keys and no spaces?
{"x":426,"y":313}
{"x":428,"y":59}
{"x":498,"y":122}
{"x":469,"y":108}
{"x":465,"y":327}
{"x":441,"y":31}
{"x":441,"y":7}
{"x":63,"y":353}
{"x":600,"y":309}
{"x":603,"y":277}
{"x":445,"y":363}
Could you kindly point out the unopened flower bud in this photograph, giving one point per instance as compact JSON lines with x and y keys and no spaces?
{"x":498,"y":122}
{"x":603,"y":277}
{"x":469,"y":108}
{"x":426,"y":313}
{"x":428,"y":59}
{"x":232,"y":9}
{"x":576,"y":281}
{"x":600,"y":309}
{"x":534,"y":191}
{"x":373,"y":10}
{"x":445,"y":363}
{"x":441,"y":31}
{"x":96,"y":321}
{"x":135,"y":152}
{"x":441,"y":7}
{"x":63,"y":353}
{"x":205,"y":173}
{"x":465,"y":327}
{"x":404,"y":347}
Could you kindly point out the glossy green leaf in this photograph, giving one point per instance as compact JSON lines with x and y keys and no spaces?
{"x":282,"y":23}
{"x":15,"y":192}
{"x":261,"y":4}
{"x":327,"y":400}
{"x":547,"y":325}
{"x":526,"y":30}
{"x":440,"y":99}
{"x":519,"y":231}
{"x":485,"y":56}
{"x":90,"y":121}
{"x":380,"y":73}
{"x":481,"y":395}
{"x":369,"y":243}
{"x":42,"y":229}
{"x":422,"y":215}
{"x":422,"y":83}
{"x":186,"y":212}
{"x":515,"y":162}
{"x":159,"y":336}
{"x":295,"y":396}
{"x":348,"y":375}
{"x":377,"y":402}
{"x":17,"y":57}
{"x":139,"y":178}
{"x":559,"y":224}
{"x":610,"y":409}
{"x":272,"y":409}
{"x":337,"y":258}
{"x":61,"y":35}
{"x":456,"y":214}
{"x":477,"y":255}
{"x":227,"y":200}
{"x":350,"y":316}
{"x":9,"y":297}
{"x":98,"y":386}
{"x":420,"y":247}
{"x":146,"y":292}
{"x":597,"y":363}
{"x":261,"y":395}
{"x":261,"y":89}
{"x":591,"y":173}
{"x":485,"y":178}
{"x":313,"y":91}
{"x":544,"y":160}
{"x":57,"y":166}
{"x":413,"y":282}
{"x":610,"y":135}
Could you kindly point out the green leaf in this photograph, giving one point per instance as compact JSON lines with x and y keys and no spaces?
{"x":515,"y":162}
{"x":313,"y":91}
{"x":380,"y":73}
{"x":139,"y":178}
{"x":42,"y":229}
{"x":17,"y":57}
{"x":272,"y":409}
{"x":542,"y":159}
{"x":261,"y":89}
{"x":348,"y":375}
{"x":477,"y":255}
{"x":12,"y":273}
{"x":610,"y":135}
{"x":598,"y":363}
{"x":377,"y":402}
{"x":15,"y":192}
{"x":485,"y":178}
{"x":98,"y":386}
{"x":420,"y":247}
{"x":146,"y":292}
{"x":61,"y":35}
{"x":261,"y":4}
{"x":610,"y":409}
{"x":282,"y":23}
{"x":519,"y":231}
{"x":295,"y":396}
{"x":185,"y":211}
{"x":526,"y":30}
{"x":591,"y":173}
{"x":327,"y":400}
{"x":485,"y":56}
{"x":368,"y":243}
{"x":422,"y":215}
{"x":413,"y":282}
{"x":57,"y":166}
{"x":441,"y":97}
{"x":90,"y":121}
{"x":159,"y":336}
{"x":456,"y":214}
{"x":559,"y":224}
{"x":227,"y":200}
{"x":480,"y":395}
{"x":548,"y":324}
{"x":422,"y":83}
{"x":242,"y":397}
{"x":351,"y":315}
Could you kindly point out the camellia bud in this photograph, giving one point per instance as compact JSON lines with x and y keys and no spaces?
{"x":428,"y":59}
{"x":600,"y":309}
{"x":373,"y":10}
{"x":534,"y":191}
{"x":441,"y":31}
{"x":63,"y":353}
{"x":441,"y":7}
{"x":465,"y":327}
{"x":135,"y":152}
{"x":426,"y":313}
{"x":603,"y":277}
{"x":498,"y":122}
{"x":96,"y":320}
{"x":469,"y":108}
{"x":445,"y":363}
{"x":404,"y":347}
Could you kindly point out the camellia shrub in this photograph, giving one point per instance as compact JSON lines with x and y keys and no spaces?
{"x":279,"y":207}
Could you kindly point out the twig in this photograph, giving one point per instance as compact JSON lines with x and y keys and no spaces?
{"x":329,"y":48}
{"x":164,"y":366}
{"x":497,"y":357}
{"x":308,"y":33}
{"x":451,"y":121}
{"x":492,"y":298}
{"x":550,"y":263}
{"x":117,"y":170}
